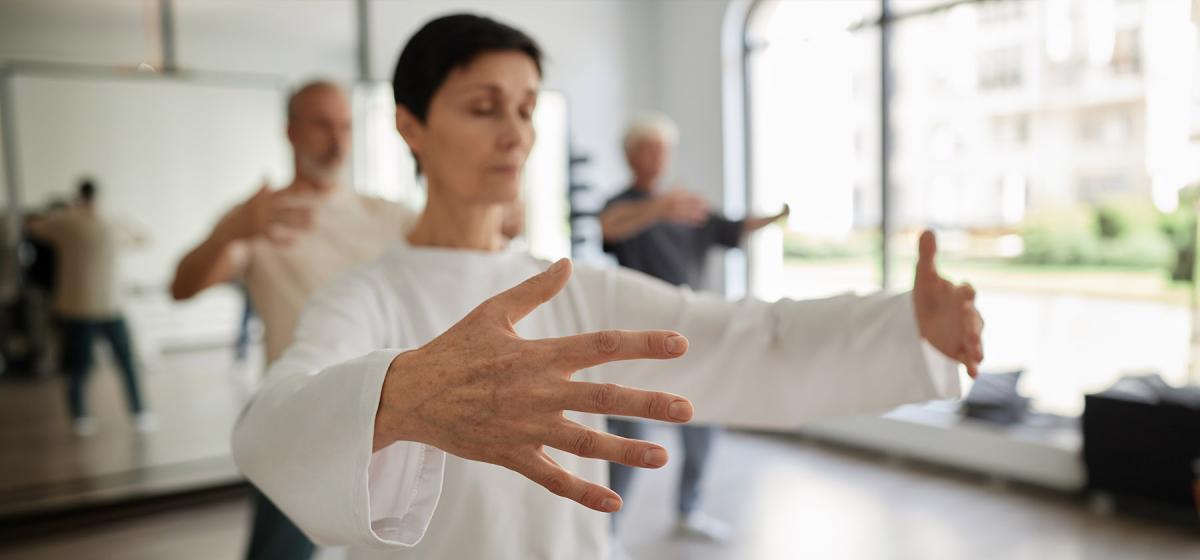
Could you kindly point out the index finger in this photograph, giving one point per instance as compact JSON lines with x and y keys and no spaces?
{"x":927,"y":251}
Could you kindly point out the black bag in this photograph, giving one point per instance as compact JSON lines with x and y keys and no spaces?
{"x":1140,"y":439}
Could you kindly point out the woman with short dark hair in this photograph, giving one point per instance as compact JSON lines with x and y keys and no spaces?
{"x":412,"y":386}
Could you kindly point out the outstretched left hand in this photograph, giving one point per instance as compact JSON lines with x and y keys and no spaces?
{"x":946,"y":314}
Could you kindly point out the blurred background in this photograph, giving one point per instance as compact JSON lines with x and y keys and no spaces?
{"x":1054,"y":145}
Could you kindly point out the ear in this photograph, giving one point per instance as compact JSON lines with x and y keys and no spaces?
{"x":410,"y":128}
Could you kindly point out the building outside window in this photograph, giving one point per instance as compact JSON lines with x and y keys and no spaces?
{"x":1048,"y":143}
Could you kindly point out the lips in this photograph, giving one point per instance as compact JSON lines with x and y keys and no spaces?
{"x":505,"y":169}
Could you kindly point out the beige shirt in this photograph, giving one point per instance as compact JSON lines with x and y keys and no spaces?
{"x":349,"y":229}
{"x":86,"y":246}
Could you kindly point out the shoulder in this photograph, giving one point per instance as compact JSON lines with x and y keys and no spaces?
{"x":384,"y":206}
{"x":361,"y":288}
{"x":388,"y":211}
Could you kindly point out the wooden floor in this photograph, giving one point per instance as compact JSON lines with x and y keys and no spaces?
{"x":786,"y":498}
{"x":44,"y":465}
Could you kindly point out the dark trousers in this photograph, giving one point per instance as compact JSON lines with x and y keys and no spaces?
{"x":242,"y":344}
{"x":697,"y":441}
{"x":274,"y":536}
{"x":77,"y":340}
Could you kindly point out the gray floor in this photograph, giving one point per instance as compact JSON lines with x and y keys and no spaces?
{"x":44,"y":466}
{"x":786,"y":498}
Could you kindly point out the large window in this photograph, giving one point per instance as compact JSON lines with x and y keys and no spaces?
{"x":1049,"y":144}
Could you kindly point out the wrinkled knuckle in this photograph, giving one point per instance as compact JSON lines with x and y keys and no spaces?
{"x":631,"y":455}
{"x":591,"y":497}
{"x":654,"y":344}
{"x":605,"y":396}
{"x":584,"y":444}
{"x":556,"y":483}
{"x":657,"y":405}
{"x":607,"y":342}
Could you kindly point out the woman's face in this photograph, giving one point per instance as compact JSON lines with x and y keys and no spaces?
{"x":479,"y":128}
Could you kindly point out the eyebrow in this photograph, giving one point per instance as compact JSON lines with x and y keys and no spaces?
{"x":493,"y":88}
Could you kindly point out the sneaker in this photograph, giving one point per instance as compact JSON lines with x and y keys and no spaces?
{"x":84,"y":426}
{"x":697,"y":525}
{"x":145,"y":422}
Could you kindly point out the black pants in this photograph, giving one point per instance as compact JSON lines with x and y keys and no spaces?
{"x":274,"y":536}
{"x":77,"y":338}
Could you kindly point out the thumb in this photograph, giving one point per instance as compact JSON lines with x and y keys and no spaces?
{"x":927,"y":249}
{"x":520,"y":300}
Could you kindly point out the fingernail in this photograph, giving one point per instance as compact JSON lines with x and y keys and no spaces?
{"x":680,"y":410}
{"x":609,"y":504}
{"x":655,"y":457}
{"x":558,"y":266}
{"x":676,"y":344}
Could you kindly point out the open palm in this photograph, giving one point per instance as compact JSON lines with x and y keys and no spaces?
{"x":946,"y":314}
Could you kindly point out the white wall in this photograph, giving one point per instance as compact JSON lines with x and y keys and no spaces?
{"x":77,"y":31}
{"x":611,"y":58}
{"x":297,"y":40}
{"x":601,"y":53}
{"x":688,"y":88}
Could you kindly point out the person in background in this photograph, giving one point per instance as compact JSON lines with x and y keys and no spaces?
{"x":283,"y":245}
{"x":86,"y":301}
{"x":668,"y":235}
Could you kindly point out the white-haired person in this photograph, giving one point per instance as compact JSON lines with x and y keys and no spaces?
{"x":668,"y":234}
{"x":448,"y":400}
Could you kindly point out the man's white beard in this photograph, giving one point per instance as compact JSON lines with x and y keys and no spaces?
{"x":325,"y":173}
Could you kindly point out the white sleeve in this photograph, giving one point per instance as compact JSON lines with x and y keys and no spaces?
{"x":771,"y":365}
{"x":306,"y":439}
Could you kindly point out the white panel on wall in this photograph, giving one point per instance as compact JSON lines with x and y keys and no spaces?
{"x":298,"y":40}
{"x":168,"y":156}
{"x":547,"y":229}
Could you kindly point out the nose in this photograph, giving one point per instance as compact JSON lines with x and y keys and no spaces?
{"x":515,"y":133}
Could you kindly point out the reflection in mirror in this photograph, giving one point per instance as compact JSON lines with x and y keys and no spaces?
{"x":165,"y":157}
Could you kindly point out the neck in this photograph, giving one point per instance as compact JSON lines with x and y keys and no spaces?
{"x":457,"y":225}
{"x":645,"y":184}
{"x":311,"y":183}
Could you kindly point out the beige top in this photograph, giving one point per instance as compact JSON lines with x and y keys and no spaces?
{"x":86,"y":247}
{"x":349,"y":229}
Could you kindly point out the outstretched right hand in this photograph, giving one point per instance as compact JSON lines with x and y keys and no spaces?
{"x":483,"y":393}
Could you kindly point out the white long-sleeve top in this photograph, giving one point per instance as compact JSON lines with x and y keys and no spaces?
{"x":306,"y":439}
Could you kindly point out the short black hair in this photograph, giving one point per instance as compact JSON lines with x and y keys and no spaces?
{"x":87,"y":190}
{"x":447,"y":43}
